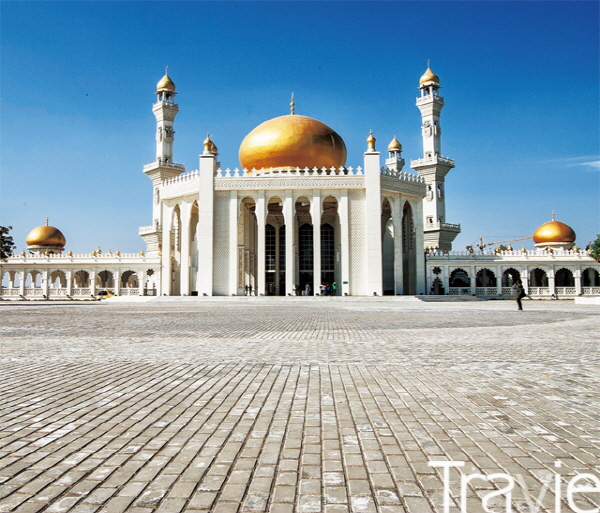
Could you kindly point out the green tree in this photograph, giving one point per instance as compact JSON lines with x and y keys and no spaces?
{"x":6,"y":242}
{"x":594,"y":249}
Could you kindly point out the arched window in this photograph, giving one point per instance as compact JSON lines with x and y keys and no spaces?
{"x":270,"y":249}
{"x":459,"y":278}
{"x":564,"y":278}
{"x":590,"y":278}
{"x":305,"y":249}
{"x":485,"y":278}
{"x":327,"y":248}
{"x":538,"y":278}
{"x":510,"y":277}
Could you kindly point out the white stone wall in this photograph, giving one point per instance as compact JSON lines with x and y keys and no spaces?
{"x":357,"y":235}
{"x":221,"y":244}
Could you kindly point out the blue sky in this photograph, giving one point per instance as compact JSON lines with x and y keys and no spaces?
{"x":520,"y":81}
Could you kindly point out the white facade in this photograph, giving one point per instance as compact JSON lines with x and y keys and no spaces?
{"x":559,"y":273}
{"x":365,"y":230}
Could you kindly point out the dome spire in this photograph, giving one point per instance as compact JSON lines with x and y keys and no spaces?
{"x":553,"y":215}
{"x":292,"y":106}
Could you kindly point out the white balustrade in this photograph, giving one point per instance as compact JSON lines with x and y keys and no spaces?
{"x":459,"y":291}
{"x":486,"y":291}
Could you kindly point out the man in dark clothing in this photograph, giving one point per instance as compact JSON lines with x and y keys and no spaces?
{"x":519,"y":293}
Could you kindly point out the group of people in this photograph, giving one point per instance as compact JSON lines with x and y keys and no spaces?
{"x":329,"y":289}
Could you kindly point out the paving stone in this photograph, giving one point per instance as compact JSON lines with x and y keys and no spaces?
{"x":289,"y":405}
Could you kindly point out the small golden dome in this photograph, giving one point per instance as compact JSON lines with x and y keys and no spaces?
{"x":292,"y":141}
{"x":46,"y":236}
{"x":209,"y":146}
{"x":395,"y":145}
{"x":165,"y":83}
{"x":553,"y":232}
{"x":429,"y":76}
{"x":371,"y":141}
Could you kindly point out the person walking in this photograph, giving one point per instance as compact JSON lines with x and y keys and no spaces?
{"x":308,"y":290}
{"x":334,"y":287}
{"x":519,"y":293}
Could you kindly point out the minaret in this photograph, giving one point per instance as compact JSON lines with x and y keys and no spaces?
{"x":165,"y":111}
{"x":163,"y":167}
{"x":395,"y":162}
{"x":433,"y":167}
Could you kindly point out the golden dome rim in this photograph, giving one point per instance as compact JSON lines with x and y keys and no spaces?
{"x":45,"y":236}
{"x":554,"y":232}
{"x":291,"y":141}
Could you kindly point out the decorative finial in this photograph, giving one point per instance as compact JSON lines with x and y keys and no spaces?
{"x":292,"y":106}
{"x":553,"y":215}
{"x":428,"y":63}
{"x":47,"y":221}
{"x":371,"y":141}
{"x":166,"y":70}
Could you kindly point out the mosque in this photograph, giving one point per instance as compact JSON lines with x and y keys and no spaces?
{"x":294,"y":219}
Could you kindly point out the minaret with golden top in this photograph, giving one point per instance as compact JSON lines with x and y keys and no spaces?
{"x":432,"y":166}
{"x":165,"y":109}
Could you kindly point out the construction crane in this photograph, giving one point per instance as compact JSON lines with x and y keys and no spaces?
{"x":482,"y":244}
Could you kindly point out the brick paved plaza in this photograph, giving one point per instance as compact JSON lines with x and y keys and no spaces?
{"x":295,"y":404}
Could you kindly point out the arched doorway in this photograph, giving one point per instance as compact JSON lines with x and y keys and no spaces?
{"x":459,"y":278}
{"x":330,"y":246}
{"x":564,"y":278}
{"x":590,"y":278}
{"x":193,"y":249}
{"x":387,"y":249}
{"x":247,"y":247}
{"x":275,"y":248}
{"x":510,"y":277}
{"x":409,"y":261}
{"x":176,"y":252}
{"x":538,"y":278}
{"x":305,"y":282}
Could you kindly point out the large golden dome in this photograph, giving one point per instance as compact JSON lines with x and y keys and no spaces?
{"x":292,"y":141}
{"x":46,"y":236}
{"x":553,"y":232}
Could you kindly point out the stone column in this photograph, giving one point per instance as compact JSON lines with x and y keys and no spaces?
{"x":117,"y":281}
{"x":343,"y":213}
{"x":551,"y":281}
{"x":93,"y":282}
{"x":184,"y":280}
{"x":233,"y":243}
{"x":204,"y":239}
{"x":22,"y":275}
{"x":373,"y":222}
{"x":577,"y":278}
{"x":498,"y":280}
{"x":525,"y":279}
{"x":277,"y":258}
{"x":166,"y":262}
{"x":69,"y":291}
{"x":473,"y":274}
{"x":419,"y":251}
{"x":141,"y":282}
{"x":260,"y":219}
{"x":446,"y":279}
{"x":398,"y":261}
{"x":288,"y":215}
{"x":46,"y":282}
{"x":315,"y":213}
